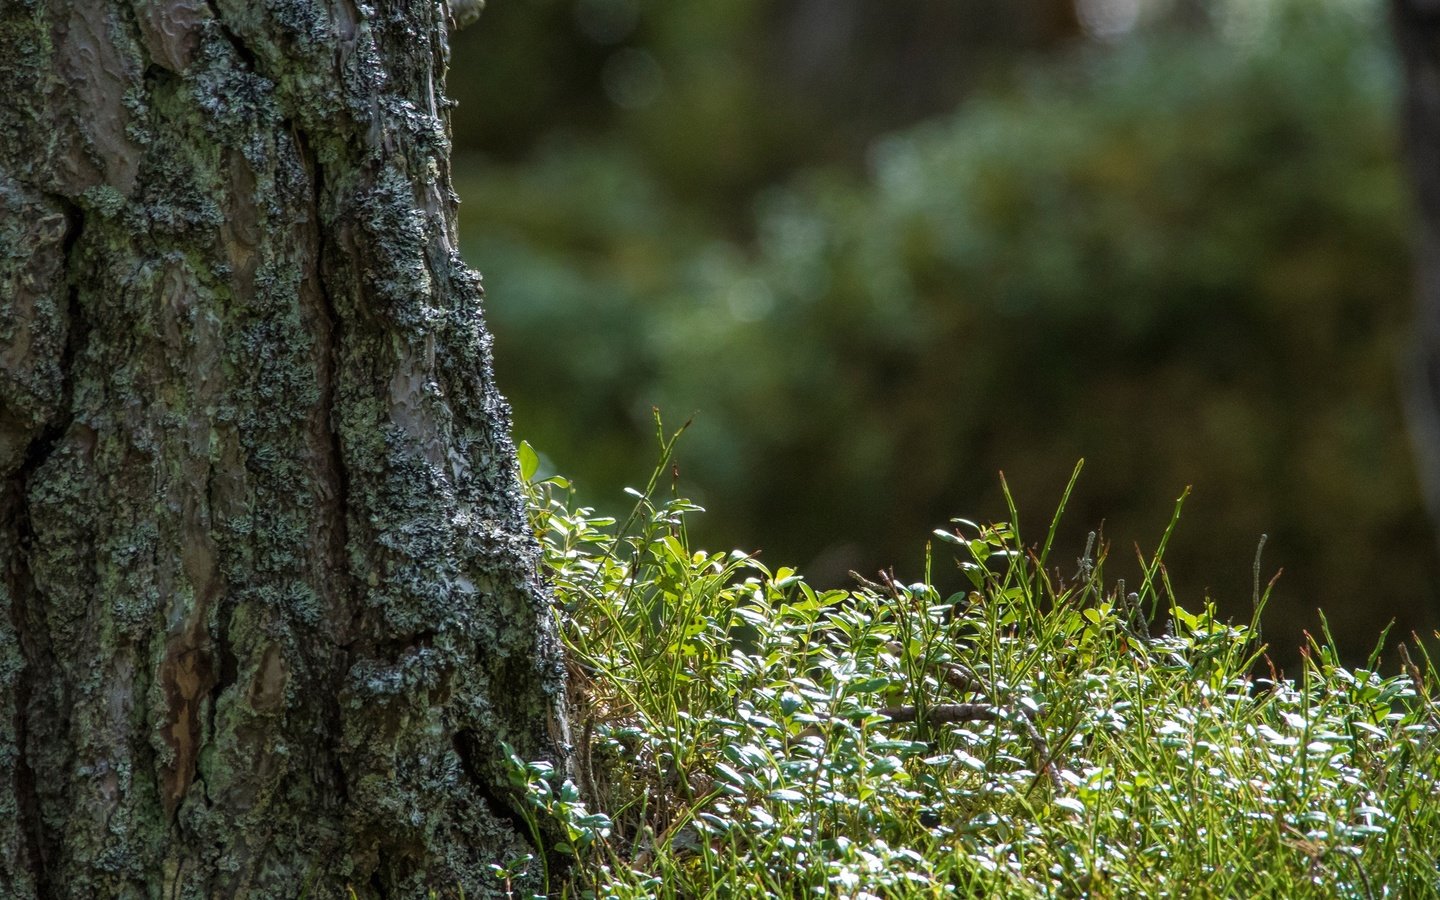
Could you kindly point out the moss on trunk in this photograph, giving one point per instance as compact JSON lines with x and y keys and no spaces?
{"x":268,"y":603}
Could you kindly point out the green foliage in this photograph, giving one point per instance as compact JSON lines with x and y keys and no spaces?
{"x":749,"y":735}
{"x":1182,"y":258}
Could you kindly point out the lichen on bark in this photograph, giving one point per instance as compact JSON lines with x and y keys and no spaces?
{"x":268,"y":605}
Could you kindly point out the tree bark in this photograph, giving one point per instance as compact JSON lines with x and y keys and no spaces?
{"x":268,"y":601}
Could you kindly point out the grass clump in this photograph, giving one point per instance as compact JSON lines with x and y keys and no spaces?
{"x":744,"y":734}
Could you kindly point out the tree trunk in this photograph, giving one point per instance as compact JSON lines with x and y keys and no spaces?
{"x":268,"y":601}
{"x":1417,"y":34}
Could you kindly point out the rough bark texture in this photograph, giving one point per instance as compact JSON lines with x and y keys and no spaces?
{"x":268,"y":604}
{"x":1417,"y":34}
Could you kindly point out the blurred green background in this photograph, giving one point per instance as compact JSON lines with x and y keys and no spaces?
{"x":884,"y":249}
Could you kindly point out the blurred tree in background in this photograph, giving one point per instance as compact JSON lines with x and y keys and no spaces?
{"x":883,"y":250}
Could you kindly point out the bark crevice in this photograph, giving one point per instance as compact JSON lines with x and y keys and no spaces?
{"x":242,"y":50}
{"x":330,"y":334}
{"x":76,"y":330}
{"x":28,"y":608}
{"x":500,"y":805}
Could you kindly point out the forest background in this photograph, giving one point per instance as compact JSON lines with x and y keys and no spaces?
{"x":882,"y":251}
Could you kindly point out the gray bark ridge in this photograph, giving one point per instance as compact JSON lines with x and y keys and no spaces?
{"x":268,"y":600}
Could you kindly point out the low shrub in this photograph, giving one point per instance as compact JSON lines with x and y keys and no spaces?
{"x":1044,"y":733}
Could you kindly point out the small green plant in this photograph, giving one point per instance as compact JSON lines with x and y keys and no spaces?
{"x":559,"y":805}
{"x":748,"y":735}
{"x":512,"y":870}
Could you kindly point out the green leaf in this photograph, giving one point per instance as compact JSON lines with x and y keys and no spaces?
{"x":885,"y":765}
{"x":870,"y":685}
{"x":529,"y":461}
{"x":1190,"y":621}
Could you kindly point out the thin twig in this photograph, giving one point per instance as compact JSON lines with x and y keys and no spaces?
{"x":965,"y":681}
{"x":946,"y":713}
{"x":955,"y":675}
